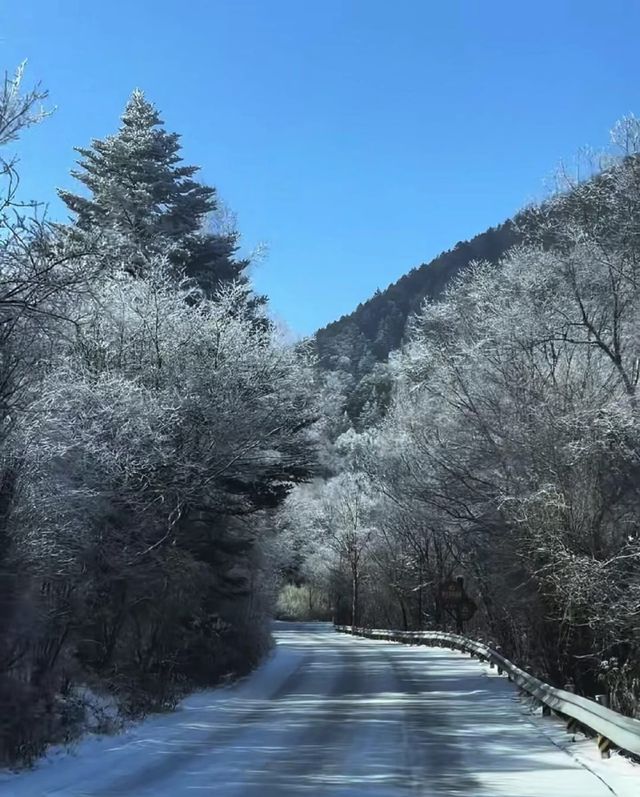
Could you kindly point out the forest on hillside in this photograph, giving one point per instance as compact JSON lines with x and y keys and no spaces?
{"x":500,"y":443}
{"x":378,"y":326}
{"x":356,"y":347}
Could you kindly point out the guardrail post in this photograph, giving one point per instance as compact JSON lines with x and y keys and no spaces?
{"x":604,"y":745}
{"x":546,"y":711}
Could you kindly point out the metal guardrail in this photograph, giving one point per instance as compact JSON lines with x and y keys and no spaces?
{"x":610,"y":726}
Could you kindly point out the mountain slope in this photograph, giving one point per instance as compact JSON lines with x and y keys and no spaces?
{"x":356,"y":342}
{"x":353,"y":350}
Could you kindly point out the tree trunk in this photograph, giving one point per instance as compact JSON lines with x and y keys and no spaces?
{"x":403,"y":609}
{"x":354,"y":599}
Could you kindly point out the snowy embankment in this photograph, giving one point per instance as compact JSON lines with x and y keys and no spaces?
{"x":333,"y":715}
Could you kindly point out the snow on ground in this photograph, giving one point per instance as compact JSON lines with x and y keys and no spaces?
{"x":331,"y":715}
{"x":78,"y":769}
{"x":620,"y":775}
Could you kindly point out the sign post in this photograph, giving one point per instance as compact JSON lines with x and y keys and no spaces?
{"x":456,"y":601}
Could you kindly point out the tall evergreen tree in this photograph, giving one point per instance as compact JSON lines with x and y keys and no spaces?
{"x":142,"y":193}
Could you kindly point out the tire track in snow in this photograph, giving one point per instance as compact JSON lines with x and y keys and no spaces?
{"x":433,"y":756}
{"x":313,"y":726}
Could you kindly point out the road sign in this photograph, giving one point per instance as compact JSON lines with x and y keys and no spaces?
{"x":452,"y":592}
{"x":467,"y":609}
{"x":458,"y":604}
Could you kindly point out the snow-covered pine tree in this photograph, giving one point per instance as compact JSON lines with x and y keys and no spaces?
{"x":145,"y":199}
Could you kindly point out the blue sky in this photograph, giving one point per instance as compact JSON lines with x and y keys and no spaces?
{"x":356,"y":138}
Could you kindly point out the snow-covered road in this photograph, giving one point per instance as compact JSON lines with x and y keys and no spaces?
{"x":332,"y":715}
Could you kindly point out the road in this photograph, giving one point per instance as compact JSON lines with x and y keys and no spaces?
{"x":334,"y":716}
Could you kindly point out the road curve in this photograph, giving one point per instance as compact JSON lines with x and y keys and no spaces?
{"x":329,"y":715}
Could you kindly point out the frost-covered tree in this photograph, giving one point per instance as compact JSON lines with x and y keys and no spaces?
{"x":166,"y":430}
{"x":151,"y":422}
{"x":38,"y":284}
{"x":510,"y":447}
{"x":136,"y":183}
{"x":146,"y":202}
{"x":329,"y":523}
